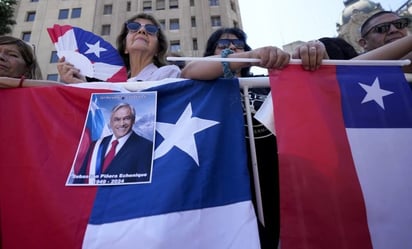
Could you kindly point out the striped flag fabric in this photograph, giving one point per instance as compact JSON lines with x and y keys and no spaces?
{"x":95,"y":123}
{"x":199,"y":196}
{"x":90,"y":53}
{"x":344,"y":135}
{"x":94,"y":128}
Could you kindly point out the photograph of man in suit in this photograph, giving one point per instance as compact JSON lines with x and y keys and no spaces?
{"x":122,"y":157}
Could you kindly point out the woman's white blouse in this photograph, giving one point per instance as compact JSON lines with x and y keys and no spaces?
{"x":152,"y":73}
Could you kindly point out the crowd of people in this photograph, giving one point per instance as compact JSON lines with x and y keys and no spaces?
{"x":143,"y":46}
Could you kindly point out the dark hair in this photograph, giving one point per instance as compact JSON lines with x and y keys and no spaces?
{"x":369,"y":19}
{"x":27,"y":53}
{"x":215,"y":36}
{"x":338,"y":48}
{"x":163,"y":44}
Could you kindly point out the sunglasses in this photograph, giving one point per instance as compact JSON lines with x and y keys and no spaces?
{"x":384,"y":27}
{"x":136,"y":26}
{"x":225,"y":43}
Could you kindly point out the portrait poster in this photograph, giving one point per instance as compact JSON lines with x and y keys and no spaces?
{"x":117,"y":143}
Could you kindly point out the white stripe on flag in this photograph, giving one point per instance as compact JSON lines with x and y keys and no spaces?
{"x":208,"y":228}
{"x":384,"y":169}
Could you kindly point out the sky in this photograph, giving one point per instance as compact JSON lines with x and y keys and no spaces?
{"x":279,"y":22}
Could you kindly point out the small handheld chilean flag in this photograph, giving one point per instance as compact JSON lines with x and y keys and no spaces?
{"x":95,"y":57}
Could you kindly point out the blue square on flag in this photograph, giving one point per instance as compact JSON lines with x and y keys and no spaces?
{"x":375,"y":91}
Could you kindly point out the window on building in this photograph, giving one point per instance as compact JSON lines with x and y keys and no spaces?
{"x":25,"y":36}
{"x":173,"y":4}
{"x":128,"y":6}
{"x":194,"y":44}
{"x":213,"y":2}
{"x":106,"y":29}
{"x":233,"y":6}
{"x":160,"y":5}
{"x":30,"y":16}
{"x":193,"y":21}
{"x":76,"y":12}
{"x":216,"y":22}
{"x":192,"y":3}
{"x":107,"y":9}
{"x":53,"y":77}
{"x":162,"y":24}
{"x":147,"y":5}
{"x":63,"y":14}
{"x":53,"y":57}
{"x":174,"y":24}
{"x":235,"y":24}
{"x":175,"y":46}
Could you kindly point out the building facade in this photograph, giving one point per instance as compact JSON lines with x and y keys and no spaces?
{"x":187,"y":23}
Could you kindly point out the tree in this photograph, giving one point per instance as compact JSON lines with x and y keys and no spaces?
{"x":6,"y":16}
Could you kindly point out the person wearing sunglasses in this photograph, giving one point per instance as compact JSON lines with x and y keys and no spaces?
{"x":385,"y":36}
{"x":231,"y":42}
{"x":142,"y":45}
{"x":382,"y":28}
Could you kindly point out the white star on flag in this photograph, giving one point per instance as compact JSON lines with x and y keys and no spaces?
{"x":95,"y":48}
{"x":181,"y":134}
{"x":375,"y":93}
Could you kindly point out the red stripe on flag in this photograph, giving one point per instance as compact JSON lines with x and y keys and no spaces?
{"x":120,"y":76}
{"x":40,"y":132}
{"x":321,"y":201}
{"x":55,"y":33}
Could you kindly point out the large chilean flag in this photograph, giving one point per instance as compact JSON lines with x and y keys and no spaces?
{"x":344,"y":135}
{"x":199,"y":196}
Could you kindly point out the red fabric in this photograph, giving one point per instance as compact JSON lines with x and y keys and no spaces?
{"x":40,"y":130}
{"x":85,"y":143}
{"x":320,"y":195}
